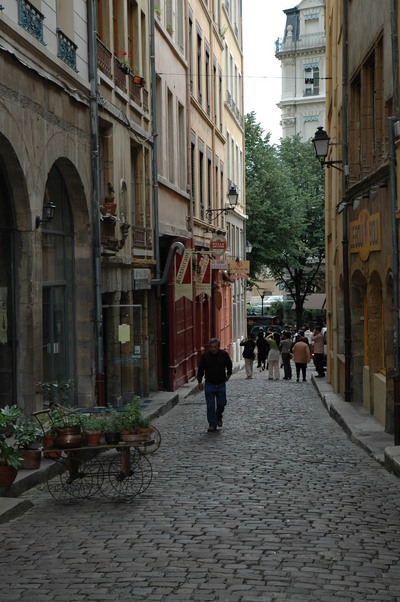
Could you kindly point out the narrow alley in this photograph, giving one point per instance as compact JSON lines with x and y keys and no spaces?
{"x":276,"y":505}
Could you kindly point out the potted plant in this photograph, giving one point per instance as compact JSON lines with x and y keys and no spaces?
{"x":135,"y":425}
{"x":113,"y":425}
{"x":28,"y":437}
{"x":125,"y":62}
{"x":92,"y":427}
{"x":66,"y":425}
{"x":10,"y":456}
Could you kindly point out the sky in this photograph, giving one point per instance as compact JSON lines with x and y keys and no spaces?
{"x":263,"y":22}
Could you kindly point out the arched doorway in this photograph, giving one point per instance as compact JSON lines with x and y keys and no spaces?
{"x":58,"y":281}
{"x":7,"y":292}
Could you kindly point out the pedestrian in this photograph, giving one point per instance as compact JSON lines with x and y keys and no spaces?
{"x":318,"y":350}
{"x":216,"y":365}
{"x":273,"y":356}
{"x":301,"y":356}
{"x":249,"y":355}
{"x":285,"y":347}
{"x":262,"y":349}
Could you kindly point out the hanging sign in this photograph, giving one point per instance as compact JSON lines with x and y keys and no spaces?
{"x":218,"y":245}
{"x":365,"y":234}
{"x":183,"y":275}
{"x":203,"y":274}
{"x":239,"y":269}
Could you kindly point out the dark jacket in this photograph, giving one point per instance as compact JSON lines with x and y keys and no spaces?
{"x":215,"y":367}
{"x":262,"y":346}
{"x":249,"y":346}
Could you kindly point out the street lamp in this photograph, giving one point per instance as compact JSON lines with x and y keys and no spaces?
{"x":249,"y":247}
{"x":321,"y":147}
{"x":262,"y":295}
{"x":233,"y":196}
{"x":48,"y":214}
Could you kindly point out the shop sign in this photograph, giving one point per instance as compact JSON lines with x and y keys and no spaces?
{"x":365,"y":234}
{"x":141,"y":279}
{"x":218,"y":245}
{"x":239,"y":269}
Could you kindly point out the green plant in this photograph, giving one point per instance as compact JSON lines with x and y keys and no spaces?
{"x":157,"y":10}
{"x":170,"y":29}
{"x":9,"y":453}
{"x":56,"y":391}
{"x":27,"y":434}
{"x":113,"y":421}
{"x":92,"y":422}
{"x":132,"y":419}
{"x":125,"y":60}
{"x":223,"y":31}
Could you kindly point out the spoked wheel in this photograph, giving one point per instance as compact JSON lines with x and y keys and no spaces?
{"x":147,"y":471}
{"x":123,"y":476}
{"x":152,"y":445}
{"x":73,"y":479}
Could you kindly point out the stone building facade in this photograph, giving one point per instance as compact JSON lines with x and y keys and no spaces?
{"x":302,"y":55}
{"x":103,"y":120}
{"x":361,"y":205}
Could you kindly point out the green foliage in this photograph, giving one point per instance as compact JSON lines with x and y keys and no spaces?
{"x":56,"y":391}
{"x":27,"y":434}
{"x":91,"y":422}
{"x":285,"y":204}
{"x":133,"y":419}
{"x":9,"y":453}
{"x":113,"y":421}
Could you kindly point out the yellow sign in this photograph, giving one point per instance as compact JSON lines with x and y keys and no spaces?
{"x":239,"y":269}
{"x":365,"y":234}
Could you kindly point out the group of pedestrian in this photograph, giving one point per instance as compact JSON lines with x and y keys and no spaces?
{"x":273,"y":348}
{"x":216,"y":365}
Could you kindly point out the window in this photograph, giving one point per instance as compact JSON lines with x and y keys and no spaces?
{"x":171,"y":137}
{"x":193,"y":170}
{"x":201,"y":180}
{"x":199,"y":69}
{"x":209,"y":182}
{"x":311,"y":80}
{"x":208,"y":81}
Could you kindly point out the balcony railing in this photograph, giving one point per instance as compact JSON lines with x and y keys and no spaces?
{"x":31,"y":19}
{"x":305,"y":42}
{"x":66,"y":50}
{"x":104,"y":57}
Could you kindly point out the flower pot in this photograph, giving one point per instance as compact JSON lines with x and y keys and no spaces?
{"x":48,"y":441}
{"x":138,"y":437}
{"x":68,"y":436}
{"x":31,"y":458}
{"x":7,"y":475}
{"x":92,"y":438}
{"x":112,"y":438}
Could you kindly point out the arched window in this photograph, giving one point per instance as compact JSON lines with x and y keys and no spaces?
{"x":58,"y":304}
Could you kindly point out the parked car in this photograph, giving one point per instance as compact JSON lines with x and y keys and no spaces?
{"x":274,"y":328}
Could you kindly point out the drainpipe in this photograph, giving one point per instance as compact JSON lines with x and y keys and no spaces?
{"x":345,"y":240}
{"x":94,"y":150}
{"x":154,"y":133}
{"x":395,"y":242}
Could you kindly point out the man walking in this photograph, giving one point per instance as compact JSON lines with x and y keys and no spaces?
{"x":216,"y":365}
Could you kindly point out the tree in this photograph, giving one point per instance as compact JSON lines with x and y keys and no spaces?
{"x":285,"y":205}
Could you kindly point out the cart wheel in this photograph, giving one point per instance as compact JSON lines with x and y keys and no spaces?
{"x":73,"y":479}
{"x":152,"y":445}
{"x":123,"y":476}
{"x":147,"y":471}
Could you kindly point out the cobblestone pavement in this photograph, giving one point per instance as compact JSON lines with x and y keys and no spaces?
{"x":277,"y":505}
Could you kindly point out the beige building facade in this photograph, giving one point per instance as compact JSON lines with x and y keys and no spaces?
{"x":361,"y":206}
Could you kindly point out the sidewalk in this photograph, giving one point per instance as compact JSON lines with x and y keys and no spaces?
{"x":362,"y":428}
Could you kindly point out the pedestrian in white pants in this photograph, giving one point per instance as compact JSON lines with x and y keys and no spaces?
{"x":273,"y":356}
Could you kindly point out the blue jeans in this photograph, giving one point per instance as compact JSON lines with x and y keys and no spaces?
{"x":216,"y":402}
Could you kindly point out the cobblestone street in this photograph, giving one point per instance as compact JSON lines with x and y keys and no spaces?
{"x":277,"y":505}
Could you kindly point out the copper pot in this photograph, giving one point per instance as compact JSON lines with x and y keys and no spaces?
{"x":68,"y":436}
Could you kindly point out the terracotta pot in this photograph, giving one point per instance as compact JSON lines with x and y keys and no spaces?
{"x":138,"y":437}
{"x":7,"y":475}
{"x":92,"y":438}
{"x":48,"y":441}
{"x":68,"y":436}
{"x":31,"y":458}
